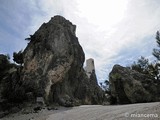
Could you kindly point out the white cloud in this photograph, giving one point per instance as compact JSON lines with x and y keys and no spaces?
{"x":110,"y":31}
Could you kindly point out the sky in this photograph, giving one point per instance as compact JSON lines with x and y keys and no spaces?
{"x":110,"y":31}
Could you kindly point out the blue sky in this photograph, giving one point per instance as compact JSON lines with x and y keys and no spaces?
{"x":110,"y":31}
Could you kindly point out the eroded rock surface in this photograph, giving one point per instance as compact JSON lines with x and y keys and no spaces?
{"x":129,"y":86}
{"x":53,"y":66}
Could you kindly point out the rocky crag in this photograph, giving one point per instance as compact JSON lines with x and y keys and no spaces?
{"x":130,"y":86}
{"x":53,"y":66}
{"x":11,"y":91}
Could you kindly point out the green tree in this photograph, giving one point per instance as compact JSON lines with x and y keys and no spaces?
{"x":31,"y":37}
{"x":18,"y":57}
{"x":142,"y":65}
{"x":143,"y":62}
{"x":153,"y":71}
{"x":156,"y":52}
{"x":4,"y":62}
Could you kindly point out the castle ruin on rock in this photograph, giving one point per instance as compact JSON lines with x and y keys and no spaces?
{"x":90,"y":68}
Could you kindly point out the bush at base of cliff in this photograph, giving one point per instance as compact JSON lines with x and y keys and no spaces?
{"x":11,"y":89}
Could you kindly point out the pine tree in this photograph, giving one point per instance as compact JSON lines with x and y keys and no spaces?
{"x":18,"y":57}
{"x":156,"y":52}
{"x":141,"y":65}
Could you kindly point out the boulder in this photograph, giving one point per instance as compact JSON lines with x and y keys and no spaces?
{"x":129,"y":86}
{"x":53,"y":66}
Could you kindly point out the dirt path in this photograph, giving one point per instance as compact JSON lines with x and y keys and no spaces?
{"x":144,"y":111}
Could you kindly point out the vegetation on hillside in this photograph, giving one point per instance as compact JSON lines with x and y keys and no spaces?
{"x":142,"y":65}
{"x":11,"y":87}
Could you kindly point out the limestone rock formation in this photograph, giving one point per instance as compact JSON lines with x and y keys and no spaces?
{"x":129,"y":86}
{"x":53,"y":66}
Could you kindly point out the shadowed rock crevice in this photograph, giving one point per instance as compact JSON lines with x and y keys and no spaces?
{"x":121,"y":95}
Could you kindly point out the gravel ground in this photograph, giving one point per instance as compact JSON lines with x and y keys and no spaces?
{"x":142,"y":111}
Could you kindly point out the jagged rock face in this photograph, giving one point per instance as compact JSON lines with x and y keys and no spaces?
{"x":129,"y":86}
{"x":53,"y":65}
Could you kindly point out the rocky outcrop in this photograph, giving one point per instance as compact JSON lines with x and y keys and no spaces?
{"x":129,"y":86}
{"x":11,"y":90}
{"x":53,"y":66}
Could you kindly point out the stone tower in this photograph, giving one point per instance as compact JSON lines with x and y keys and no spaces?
{"x":89,"y":67}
